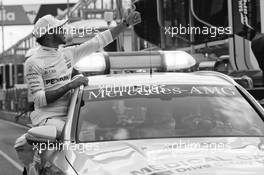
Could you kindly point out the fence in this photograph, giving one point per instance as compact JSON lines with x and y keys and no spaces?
{"x":13,"y":100}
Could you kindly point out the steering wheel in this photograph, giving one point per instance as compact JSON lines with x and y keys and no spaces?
{"x":199,"y":122}
{"x":112,"y":133}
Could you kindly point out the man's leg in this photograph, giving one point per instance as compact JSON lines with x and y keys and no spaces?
{"x":24,"y":151}
{"x":58,"y":122}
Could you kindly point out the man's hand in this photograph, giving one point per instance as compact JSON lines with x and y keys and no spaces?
{"x":132,"y":17}
{"x":78,"y":81}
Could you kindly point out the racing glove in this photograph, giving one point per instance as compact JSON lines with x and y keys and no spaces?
{"x":132,"y":17}
{"x":77,"y":81}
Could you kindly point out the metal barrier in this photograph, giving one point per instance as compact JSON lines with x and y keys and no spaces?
{"x":14,"y":100}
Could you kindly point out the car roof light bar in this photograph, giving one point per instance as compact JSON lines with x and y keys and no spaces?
{"x":103,"y":62}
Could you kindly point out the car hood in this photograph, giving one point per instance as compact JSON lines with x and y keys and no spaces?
{"x":207,"y":156}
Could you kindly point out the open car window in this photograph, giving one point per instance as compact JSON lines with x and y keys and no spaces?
{"x":159,"y":111}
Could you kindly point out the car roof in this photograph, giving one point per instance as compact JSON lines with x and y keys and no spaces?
{"x":195,"y":78}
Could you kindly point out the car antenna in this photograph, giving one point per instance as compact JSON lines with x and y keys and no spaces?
{"x":133,"y":6}
{"x":150,"y":60}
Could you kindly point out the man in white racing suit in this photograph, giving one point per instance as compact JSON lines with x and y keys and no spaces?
{"x":48,"y":71}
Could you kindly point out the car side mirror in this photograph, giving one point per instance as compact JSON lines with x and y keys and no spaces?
{"x":42,"y":134}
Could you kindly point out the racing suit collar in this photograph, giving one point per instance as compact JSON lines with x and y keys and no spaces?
{"x":49,"y":48}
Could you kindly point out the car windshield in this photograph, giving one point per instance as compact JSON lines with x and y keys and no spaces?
{"x":161,"y":111}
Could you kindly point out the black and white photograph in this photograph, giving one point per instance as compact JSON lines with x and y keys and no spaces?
{"x":131,"y":87}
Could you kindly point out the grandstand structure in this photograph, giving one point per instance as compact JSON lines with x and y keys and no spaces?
{"x":82,"y":10}
{"x":84,"y":13}
{"x":13,"y":92}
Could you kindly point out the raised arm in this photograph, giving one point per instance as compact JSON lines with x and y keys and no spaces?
{"x":103,"y":39}
{"x":132,"y":18}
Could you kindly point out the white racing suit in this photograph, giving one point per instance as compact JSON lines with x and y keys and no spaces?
{"x":47,"y":70}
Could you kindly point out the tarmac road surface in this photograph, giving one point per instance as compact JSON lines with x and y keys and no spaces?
{"x":9,"y":163}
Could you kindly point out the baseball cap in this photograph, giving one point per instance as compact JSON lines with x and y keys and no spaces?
{"x":45,"y":23}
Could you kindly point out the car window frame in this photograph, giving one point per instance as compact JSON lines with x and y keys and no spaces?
{"x":252,"y":101}
{"x":75,"y":118}
{"x":243,"y":92}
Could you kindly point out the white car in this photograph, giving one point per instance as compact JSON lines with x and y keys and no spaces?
{"x":198,"y":123}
